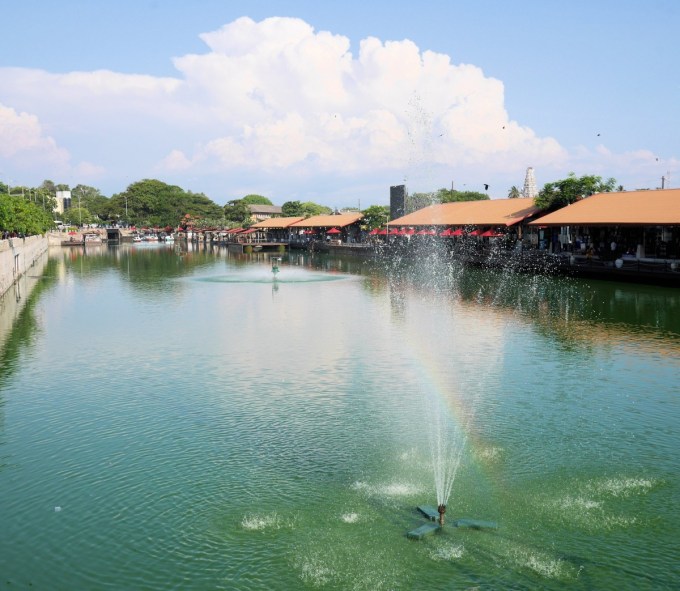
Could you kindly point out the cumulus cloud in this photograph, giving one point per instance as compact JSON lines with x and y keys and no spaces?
{"x":287,"y":96}
{"x":277,"y":97}
{"x":23,"y":137}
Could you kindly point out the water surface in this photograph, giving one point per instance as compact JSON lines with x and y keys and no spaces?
{"x":174,"y":418}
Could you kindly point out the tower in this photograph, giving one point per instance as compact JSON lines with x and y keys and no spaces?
{"x":529,"y":189}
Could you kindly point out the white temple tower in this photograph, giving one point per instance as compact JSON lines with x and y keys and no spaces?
{"x":529,"y":189}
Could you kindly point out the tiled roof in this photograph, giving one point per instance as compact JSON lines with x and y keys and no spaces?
{"x":493,"y":212}
{"x":643,"y":208}
{"x":329,"y":221}
{"x":277,"y":222}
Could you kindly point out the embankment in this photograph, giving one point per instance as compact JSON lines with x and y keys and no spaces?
{"x":17,"y":256}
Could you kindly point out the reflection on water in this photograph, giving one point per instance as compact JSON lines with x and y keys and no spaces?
{"x":173,"y":416}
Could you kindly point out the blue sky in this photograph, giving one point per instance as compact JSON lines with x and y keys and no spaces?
{"x":335,"y":102}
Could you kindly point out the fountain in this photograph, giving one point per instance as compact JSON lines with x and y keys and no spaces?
{"x":275,"y":265}
{"x":446,"y":445}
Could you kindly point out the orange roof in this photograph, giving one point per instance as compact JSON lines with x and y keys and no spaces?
{"x":493,"y":212}
{"x":277,"y":222}
{"x":329,"y":221}
{"x":642,"y":208}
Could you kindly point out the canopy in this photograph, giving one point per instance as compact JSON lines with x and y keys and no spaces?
{"x":446,"y":232}
{"x":333,"y":231}
{"x":457,"y":232}
{"x":394,"y":232}
{"x":476,"y":233}
{"x":373,"y":232}
{"x":490,"y":234}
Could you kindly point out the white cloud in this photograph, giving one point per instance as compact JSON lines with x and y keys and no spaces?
{"x":276,"y":98}
{"x":22,"y":135}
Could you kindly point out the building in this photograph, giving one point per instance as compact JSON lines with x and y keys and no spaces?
{"x":637,"y":224}
{"x":264,"y":212}
{"x":501,"y":215}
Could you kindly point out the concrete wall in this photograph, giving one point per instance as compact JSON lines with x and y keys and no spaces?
{"x":17,"y":255}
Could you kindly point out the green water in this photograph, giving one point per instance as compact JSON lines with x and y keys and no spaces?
{"x":174,"y":419}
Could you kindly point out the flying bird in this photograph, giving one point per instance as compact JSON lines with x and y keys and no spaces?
{"x":486,"y":187}
{"x":598,"y":135}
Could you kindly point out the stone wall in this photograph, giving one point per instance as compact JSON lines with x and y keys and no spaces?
{"x":17,"y":256}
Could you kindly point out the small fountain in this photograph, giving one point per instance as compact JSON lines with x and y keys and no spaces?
{"x":275,"y":266}
{"x":447,"y":443}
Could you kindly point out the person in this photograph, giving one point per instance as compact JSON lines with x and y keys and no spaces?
{"x":613,"y":246}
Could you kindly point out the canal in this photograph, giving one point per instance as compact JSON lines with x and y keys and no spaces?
{"x":179,"y":418}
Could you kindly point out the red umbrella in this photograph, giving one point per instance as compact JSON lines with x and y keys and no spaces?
{"x":373,"y":232}
{"x":446,"y":232}
{"x":421,"y":232}
{"x":382,"y":232}
{"x":333,"y":231}
{"x":309,"y":232}
{"x":476,"y":233}
{"x":491,"y":234}
{"x":394,"y":232}
{"x":457,"y":232}
{"x":409,"y":232}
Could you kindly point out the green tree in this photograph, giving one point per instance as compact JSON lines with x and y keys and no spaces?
{"x":375,"y":216}
{"x":514,"y":193}
{"x":310,"y":208}
{"x":448,"y":196}
{"x":292,"y":209}
{"x":238,"y":213}
{"x":76,"y":216}
{"x":91,"y":199}
{"x":20,"y":215}
{"x":256,"y":200}
{"x":151,"y":202}
{"x":563,"y":192}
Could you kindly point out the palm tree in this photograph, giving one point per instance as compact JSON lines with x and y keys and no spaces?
{"x":514,"y":193}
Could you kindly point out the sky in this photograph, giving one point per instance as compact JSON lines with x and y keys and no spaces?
{"x":334,"y":102}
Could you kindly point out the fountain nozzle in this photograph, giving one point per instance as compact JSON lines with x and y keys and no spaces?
{"x":441,"y":509}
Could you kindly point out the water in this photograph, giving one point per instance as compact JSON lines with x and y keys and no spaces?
{"x":180,"y":419}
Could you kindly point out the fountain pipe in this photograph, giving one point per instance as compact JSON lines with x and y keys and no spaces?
{"x":441,"y":509}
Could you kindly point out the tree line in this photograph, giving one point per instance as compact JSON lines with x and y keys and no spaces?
{"x":153,"y":203}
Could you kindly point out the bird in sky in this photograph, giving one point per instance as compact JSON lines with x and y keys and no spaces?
{"x":486,"y":187}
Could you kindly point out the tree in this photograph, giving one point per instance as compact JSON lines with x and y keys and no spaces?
{"x":375,"y":216}
{"x":76,"y":216}
{"x":91,"y":199}
{"x":514,"y":193}
{"x":151,"y":202}
{"x":19,"y":215}
{"x":237,"y":212}
{"x":563,"y":192}
{"x":449,"y":196}
{"x":291,"y":209}
{"x":310,"y":208}
{"x":256,"y":200}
